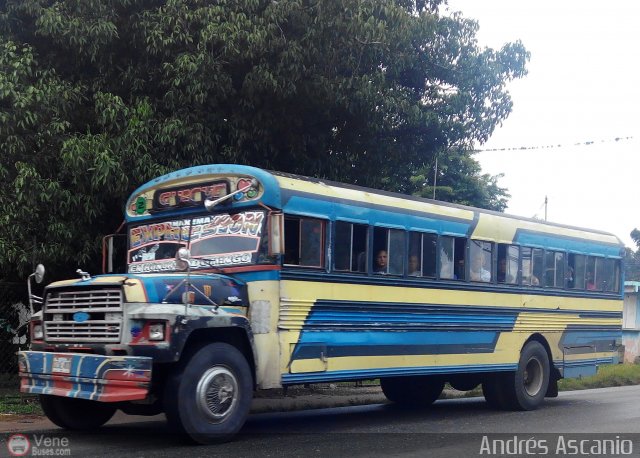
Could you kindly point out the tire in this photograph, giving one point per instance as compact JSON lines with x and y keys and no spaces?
{"x":76,"y":414}
{"x":417,"y":391}
{"x":209,"y":398}
{"x":525,"y":388}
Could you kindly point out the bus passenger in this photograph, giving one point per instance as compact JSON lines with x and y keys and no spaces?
{"x":478,"y":272}
{"x":414,"y":266}
{"x":380,"y":264}
{"x":503,"y":275}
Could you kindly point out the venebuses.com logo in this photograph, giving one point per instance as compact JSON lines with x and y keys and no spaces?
{"x":38,"y":445}
{"x":18,"y":445}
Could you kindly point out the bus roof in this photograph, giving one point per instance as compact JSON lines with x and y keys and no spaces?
{"x":323,"y":198}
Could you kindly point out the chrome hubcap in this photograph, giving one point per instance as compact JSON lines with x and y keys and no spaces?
{"x":532,"y":378}
{"x":217,"y":394}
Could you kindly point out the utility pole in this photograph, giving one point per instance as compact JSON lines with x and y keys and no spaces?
{"x":545,"y":207}
{"x":435,"y":178}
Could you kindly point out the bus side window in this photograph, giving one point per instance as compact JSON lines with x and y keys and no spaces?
{"x":508,"y":257}
{"x":422,"y":254}
{"x":429,"y":251}
{"x":590,"y":274}
{"x":304,"y":242}
{"x":452,"y":258}
{"x":554,"y":269}
{"x":601,"y":274}
{"x":291,"y":241}
{"x":576,"y":271}
{"x":481,"y":255}
{"x":606,"y":276}
{"x":529,"y":261}
{"x":614,"y":283}
{"x":388,"y":251}
{"x":415,"y":254}
{"x":350,"y":251}
{"x":538,"y":266}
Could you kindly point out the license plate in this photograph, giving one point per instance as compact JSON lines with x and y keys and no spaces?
{"x":61,"y":365}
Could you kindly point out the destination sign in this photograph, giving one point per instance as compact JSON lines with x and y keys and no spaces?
{"x":188,"y":195}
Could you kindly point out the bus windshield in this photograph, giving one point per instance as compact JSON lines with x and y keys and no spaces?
{"x":215,"y":241}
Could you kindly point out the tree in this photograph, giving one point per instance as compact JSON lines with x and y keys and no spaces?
{"x":98,"y":96}
{"x":632,"y":259}
{"x":459,"y":180}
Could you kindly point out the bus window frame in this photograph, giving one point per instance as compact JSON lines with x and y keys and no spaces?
{"x":332,"y":264}
{"x":408,"y":251}
{"x":323,"y":241}
{"x":387,"y":248}
{"x":518,"y":274}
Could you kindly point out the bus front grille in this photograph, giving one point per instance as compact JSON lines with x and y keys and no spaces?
{"x":83,"y":315}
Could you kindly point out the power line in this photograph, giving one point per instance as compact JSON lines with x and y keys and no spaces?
{"x":560,"y":145}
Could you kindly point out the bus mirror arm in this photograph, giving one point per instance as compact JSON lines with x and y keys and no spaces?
{"x":38,"y":275}
{"x":210,"y":204}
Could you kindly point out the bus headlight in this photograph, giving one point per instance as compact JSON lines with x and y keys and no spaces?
{"x":156,"y":331}
{"x":37,"y":332}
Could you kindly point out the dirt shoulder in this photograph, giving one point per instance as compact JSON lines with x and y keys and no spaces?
{"x":300,"y":398}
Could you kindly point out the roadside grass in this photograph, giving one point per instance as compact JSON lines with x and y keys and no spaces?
{"x":15,"y":403}
{"x":608,"y":375}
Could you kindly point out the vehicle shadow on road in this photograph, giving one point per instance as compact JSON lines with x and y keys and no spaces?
{"x":370,"y":429}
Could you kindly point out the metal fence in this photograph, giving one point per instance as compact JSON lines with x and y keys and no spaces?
{"x":14,"y":330}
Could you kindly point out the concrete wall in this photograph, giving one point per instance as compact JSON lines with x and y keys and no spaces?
{"x":631,"y":321}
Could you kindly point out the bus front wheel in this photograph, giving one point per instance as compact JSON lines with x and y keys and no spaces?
{"x":208,"y":400}
{"x":525,"y":388}
{"x":412,"y":391}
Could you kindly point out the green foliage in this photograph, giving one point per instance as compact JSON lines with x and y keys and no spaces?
{"x":459,"y":180}
{"x":98,"y":96}
{"x":607,"y":375}
{"x":635,"y":235}
{"x":632,"y":259}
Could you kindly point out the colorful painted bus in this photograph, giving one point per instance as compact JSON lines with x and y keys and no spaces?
{"x":238,"y":279}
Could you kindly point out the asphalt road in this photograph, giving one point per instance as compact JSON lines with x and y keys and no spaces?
{"x":451,"y":428}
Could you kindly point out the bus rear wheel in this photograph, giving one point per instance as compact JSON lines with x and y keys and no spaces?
{"x":525,"y":388}
{"x":419,"y":391}
{"x":208,"y":400}
{"x":76,"y":414}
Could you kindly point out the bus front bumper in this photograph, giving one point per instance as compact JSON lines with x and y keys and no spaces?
{"x":85,"y":376}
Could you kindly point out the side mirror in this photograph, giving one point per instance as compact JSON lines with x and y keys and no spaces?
{"x":39,"y":273}
{"x":182,"y":258}
{"x":276,"y":233}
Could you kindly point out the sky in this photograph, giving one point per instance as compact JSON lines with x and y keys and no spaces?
{"x":583,"y":85}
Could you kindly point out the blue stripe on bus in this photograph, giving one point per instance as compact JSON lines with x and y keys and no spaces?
{"x":324,"y":207}
{"x":559,"y":242}
{"x":383,"y":343}
{"x":383,"y":328}
{"x":579,"y":339}
{"x":264,"y":275}
{"x":374,"y":329}
{"x":359,"y":374}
